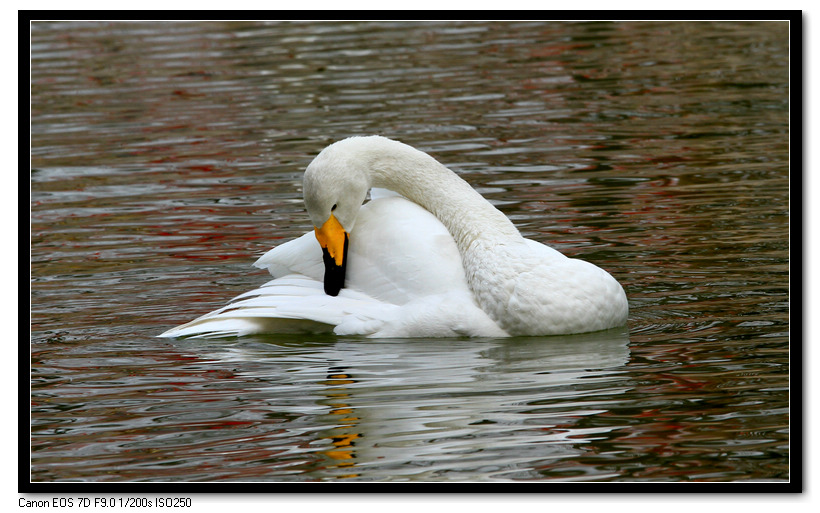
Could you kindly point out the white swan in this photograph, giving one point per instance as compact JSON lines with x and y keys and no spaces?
{"x":431,"y":259}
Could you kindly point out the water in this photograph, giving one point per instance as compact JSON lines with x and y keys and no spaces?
{"x":167,"y":156}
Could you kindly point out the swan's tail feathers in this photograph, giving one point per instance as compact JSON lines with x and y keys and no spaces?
{"x":291,"y":304}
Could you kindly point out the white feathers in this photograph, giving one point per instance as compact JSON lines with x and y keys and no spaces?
{"x":464,"y":271}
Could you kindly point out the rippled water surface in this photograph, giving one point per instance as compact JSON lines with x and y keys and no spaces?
{"x":167,"y":156}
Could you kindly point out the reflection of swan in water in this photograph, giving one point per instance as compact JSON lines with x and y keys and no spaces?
{"x":494,"y":404}
{"x":431,"y":259}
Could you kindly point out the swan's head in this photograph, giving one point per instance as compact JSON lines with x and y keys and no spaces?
{"x":335,"y":186}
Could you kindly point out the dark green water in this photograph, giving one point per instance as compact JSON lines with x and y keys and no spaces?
{"x":167,"y":156}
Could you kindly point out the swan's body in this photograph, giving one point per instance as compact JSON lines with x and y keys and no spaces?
{"x":437,"y":261}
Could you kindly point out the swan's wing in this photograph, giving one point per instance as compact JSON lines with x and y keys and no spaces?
{"x":299,"y":256}
{"x":297,"y":304}
{"x":290,"y":304}
{"x":294,"y":302}
{"x":399,"y":252}
{"x":404,"y":278}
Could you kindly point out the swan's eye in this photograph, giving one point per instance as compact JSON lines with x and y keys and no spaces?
{"x":333,"y":207}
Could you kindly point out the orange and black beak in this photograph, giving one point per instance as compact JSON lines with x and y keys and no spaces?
{"x":334,"y":240}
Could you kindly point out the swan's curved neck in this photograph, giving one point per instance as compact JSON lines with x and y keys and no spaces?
{"x":422,"y":179}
